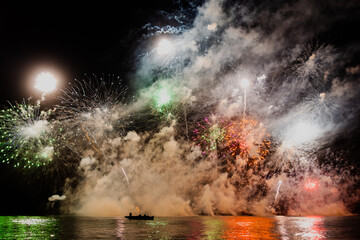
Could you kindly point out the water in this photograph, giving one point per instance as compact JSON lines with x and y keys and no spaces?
{"x":200,"y":227}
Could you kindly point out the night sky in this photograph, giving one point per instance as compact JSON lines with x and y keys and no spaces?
{"x":69,"y":39}
{"x":98,"y":38}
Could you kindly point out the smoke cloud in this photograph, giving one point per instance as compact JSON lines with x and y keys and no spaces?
{"x":172,"y":159}
{"x":57,"y":198}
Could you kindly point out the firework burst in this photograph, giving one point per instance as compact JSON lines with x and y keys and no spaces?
{"x":91,"y":110}
{"x":91,"y":94}
{"x":244,"y":138}
{"x":26,"y":136}
{"x":163,"y":99}
{"x":247,"y":139}
{"x":210,"y":134}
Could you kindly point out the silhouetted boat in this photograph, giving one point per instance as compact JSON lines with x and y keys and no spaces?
{"x":140,"y":217}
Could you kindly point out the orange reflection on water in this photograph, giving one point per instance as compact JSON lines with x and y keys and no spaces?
{"x":249,"y":228}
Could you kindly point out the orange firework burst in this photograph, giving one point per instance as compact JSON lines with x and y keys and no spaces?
{"x":247,"y":139}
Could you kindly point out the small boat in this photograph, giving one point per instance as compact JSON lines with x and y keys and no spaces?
{"x":140,"y":217}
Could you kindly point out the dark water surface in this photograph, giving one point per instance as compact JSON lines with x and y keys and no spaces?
{"x":200,"y":227}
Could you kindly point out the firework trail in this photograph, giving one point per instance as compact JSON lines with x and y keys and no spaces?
{"x":277,"y":190}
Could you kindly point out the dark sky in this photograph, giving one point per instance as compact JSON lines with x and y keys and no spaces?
{"x":68,"y":39}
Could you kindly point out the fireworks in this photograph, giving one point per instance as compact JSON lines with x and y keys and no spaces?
{"x":278,"y":189}
{"x":162,"y":99}
{"x":92,"y":112}
{"x":91,"y":94}
{"x":93,"y":109}
{"x":210,"y":134}
{"x":26,"y":136}
{"x":166,"y":100}
{"x":244,"y":138}
{"x":212,"y":61}
{"x":247,"y":138}
{"x":310,"y":185}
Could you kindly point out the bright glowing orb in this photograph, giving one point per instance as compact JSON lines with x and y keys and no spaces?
{"x":164,"y":47}
{"x":163,"y":97}
{"x":244,"y":83}
{"x":45,"y":82}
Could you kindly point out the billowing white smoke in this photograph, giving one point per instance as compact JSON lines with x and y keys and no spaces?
{"x":57,"y":197}
{"x":36,"y":129}
{"x":293,"y":91}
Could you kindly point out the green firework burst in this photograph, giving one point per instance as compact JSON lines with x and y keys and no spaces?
{"x":210,"y":134}
{"x":25,"y":136}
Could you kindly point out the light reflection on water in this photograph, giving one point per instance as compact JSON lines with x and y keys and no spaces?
{"x":250,"y":228}
{"x":24,"y":227}
{"x":200,"y":227}
{"x":305,"y":227}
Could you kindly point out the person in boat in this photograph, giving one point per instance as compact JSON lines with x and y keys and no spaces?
{"x":130,"y":214}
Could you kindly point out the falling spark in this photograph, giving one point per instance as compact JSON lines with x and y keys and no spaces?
{"x":127,"y":179}
{"x":278,"y":189}
{"x":248,"y":139}
{"x":244,"y":83}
